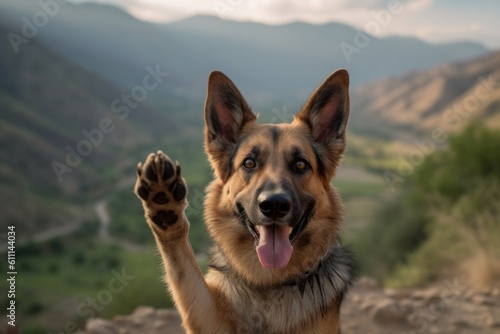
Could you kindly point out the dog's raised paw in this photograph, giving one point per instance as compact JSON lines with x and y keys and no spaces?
{"x":161,"y":189}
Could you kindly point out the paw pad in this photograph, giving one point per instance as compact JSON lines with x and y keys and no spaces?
{"x":160,"y":198}
{"x":143,"y":193}
{"x":151,"y":172}
{"x":164,"y":217}
{"x":161,"y":188}
{"x":168,"y":170}
{"x":178,"y":191}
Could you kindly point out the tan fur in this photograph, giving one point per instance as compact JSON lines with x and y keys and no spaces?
{"x":238,"y":294}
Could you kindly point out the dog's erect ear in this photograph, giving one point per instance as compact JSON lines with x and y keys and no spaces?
{"x":327,"y":110}
{"x":326,"y":113}
{"x":226,"y":113}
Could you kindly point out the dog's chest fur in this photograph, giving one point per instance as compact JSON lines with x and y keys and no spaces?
{"x":292,"y":306}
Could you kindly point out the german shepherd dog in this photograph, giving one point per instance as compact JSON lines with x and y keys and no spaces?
{"x":277,"y":265}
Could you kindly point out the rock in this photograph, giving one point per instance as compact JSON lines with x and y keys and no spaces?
{"x":367,"y":283}
{"x":484,"y":292}
{"x":100,"y":326}
{"x":435,"y":330}
{"x":160,"y":324}
{"x":388,"y":311}
{"x":417,"y":295}
{"x":431,"y":295}
{"x":491,"y":322}
{"x":144,"y":312}
{"x":144,"y":320}
{"x":121,"y":320}
{"x":427,"y":296}
{"x":460,"y":323}
{"x":367,"y":305}
{"x":483,"y":300}
{"x":468,"y":295}
{"x":138,"y":322}
{"x":168,"y":314}
{"x":408,"y":305}
{"x":396,"y":294}
{"x":355,"y":298}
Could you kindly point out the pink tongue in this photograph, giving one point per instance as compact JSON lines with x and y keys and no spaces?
{"x":274,"y":249}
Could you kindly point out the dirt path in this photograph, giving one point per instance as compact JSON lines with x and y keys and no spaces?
{"x":443,"y":308}
{"x":59,"y":231}
{"x":101,"y":211}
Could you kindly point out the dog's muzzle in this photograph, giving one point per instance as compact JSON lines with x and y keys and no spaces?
{"x":274,"y":241}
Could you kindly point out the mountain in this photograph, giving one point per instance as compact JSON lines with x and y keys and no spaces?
{"x":444,"y":97}
{"x":61,"y":140}
{"x":64,"y":142}
{"x":269,"y":63}
{"x":293,"y":58}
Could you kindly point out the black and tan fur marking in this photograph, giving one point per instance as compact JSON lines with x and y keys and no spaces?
{"x":277,"y":265}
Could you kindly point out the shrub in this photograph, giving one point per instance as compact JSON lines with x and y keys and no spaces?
{"x":79,"y":258}
{"x":447,"y":207}
{"x":53,"y":268}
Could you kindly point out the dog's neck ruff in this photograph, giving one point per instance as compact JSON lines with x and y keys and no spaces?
{"x":335,"y":270}
{"x":336,"y":266}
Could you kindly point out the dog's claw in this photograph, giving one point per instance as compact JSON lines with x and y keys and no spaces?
{"x":139,"y":169}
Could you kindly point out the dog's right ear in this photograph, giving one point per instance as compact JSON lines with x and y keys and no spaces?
{"x":226,"y":113}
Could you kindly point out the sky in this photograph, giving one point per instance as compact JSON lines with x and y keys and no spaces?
{"x":434,"y":21}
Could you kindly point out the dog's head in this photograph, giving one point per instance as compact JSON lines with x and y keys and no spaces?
{"x":272,"y":190}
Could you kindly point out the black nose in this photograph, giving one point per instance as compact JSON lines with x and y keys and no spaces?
{"x":274,"y":205}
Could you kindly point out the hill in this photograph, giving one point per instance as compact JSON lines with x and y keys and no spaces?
{"x":62,"y":144}
{"x":445,"y":97}
{"x":270,"y":62}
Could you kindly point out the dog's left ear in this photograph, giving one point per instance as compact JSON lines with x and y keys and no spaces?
{"x":326,"y":113}
{"x":226,"y":114}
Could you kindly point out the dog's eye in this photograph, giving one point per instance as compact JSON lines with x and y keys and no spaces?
{"x":300,"y":165}
{"x":249,"y":163}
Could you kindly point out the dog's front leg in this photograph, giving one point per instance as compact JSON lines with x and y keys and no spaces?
{"x":162,"y":191}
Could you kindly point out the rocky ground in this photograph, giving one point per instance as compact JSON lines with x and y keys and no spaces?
{"x":445,"y":307}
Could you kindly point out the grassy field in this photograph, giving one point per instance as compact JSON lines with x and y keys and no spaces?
{"x":64,"y":282}
{"x":362,"y":193}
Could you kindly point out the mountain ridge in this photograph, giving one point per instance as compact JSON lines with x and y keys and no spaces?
{"x":446,"y":97}
{"x":271,"y":63}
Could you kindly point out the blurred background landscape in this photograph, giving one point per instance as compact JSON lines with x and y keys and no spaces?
{"x":89,"y":89}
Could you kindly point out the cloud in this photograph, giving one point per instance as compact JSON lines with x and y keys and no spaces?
{"x":266,"y":11}
{"x":419,"y":5}
{"x":437,"y":33}
{"x":427,"y":19}
{"x":156,"y":13}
